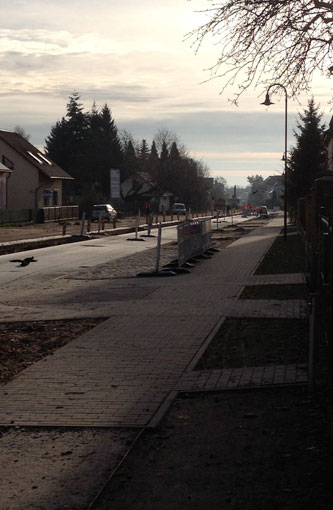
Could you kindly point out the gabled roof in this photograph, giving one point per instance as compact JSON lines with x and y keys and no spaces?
{"x":3,"y":168}
{"x":273,"y":180}
{"x":145,"y":177}
{"x":40,"y":161}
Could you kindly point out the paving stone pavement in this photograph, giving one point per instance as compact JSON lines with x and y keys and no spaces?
{"x":124,"y":372}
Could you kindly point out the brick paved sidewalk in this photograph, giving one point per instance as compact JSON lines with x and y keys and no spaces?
{"x":124,"y":372}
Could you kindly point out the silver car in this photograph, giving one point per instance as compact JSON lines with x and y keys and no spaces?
{"x":178,"y":208}
{"x":104,"y":212}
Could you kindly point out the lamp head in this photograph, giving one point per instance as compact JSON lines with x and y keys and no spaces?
{"x":267,"y":101}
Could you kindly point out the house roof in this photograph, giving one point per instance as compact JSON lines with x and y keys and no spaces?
{"x":145,"y":177}
{"x":273,"y":180}
{"x":3,"y":168}
{"x":40,"y":161}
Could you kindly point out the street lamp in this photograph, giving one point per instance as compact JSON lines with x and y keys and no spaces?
{"x":268,"y":102}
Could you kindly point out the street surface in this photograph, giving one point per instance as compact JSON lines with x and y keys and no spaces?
{"x":55,"y":260}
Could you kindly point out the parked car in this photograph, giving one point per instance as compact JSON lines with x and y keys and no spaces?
{"x":263,"y":211}
{"x":103,"y":212}
{"x":178,"y":208}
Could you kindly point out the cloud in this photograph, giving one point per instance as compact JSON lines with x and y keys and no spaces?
{"x":132,"y":56}
{"x":239,"y":156}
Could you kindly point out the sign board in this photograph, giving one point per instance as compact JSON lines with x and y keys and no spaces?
{"x":115,"y":182}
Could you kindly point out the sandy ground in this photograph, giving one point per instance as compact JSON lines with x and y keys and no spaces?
{"x":37,"y":230}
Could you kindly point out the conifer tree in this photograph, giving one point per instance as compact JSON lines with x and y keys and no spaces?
{"x":109,"y":146}
{"x":130,"y":161}
{"x":153,"y":162}
{"x":174,"y":152}
{"x":143,"y":152}
{"x":66,"y":144}
{"x":164,"y":152}
{"x":87,"y":146}
{"x":307,"y":159}
{"x":153,"y":151}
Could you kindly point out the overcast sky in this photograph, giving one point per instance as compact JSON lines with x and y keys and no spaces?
{"x":134,"y":56}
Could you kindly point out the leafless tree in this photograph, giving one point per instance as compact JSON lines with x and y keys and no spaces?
{"x":164,"y":135}
{"x":266,"y":41}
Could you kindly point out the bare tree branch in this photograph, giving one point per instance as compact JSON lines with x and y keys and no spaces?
{"x":285,"y":40}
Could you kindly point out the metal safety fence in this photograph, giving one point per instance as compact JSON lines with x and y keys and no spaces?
{"x":320,"y":254}
{"x":194,"y":238}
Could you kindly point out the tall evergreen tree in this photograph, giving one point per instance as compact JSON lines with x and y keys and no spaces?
{"x":66,"y":144}
{"x":143,"y":152}
{"x":153,"y":162}
{"x":153,"y":151}
{"x":57,"y":144}
{"x":87,"y":146}
{"x":130,"y":161}
{"x":109,"y":146}
{"x":174,"y":152}
{"x":308,"y":158}
{"x":164,"y":152}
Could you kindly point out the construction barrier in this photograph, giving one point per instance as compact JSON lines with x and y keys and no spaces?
{"x":194,"y":238}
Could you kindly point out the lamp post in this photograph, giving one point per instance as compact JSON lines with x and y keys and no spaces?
{"x":268,"y":102}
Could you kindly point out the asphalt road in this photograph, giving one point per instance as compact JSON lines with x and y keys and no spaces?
{"x":54,"y":260}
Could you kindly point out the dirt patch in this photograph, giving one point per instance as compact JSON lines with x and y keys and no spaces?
{"x":284,"y":256}
{"x":292,"y":291}
{"x":256,"y":342}
{"x":23,"y":343}
{"x":258,"y":450}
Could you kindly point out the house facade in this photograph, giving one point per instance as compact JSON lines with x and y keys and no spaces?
{"x":140,"y":189}
{"x":28,"y":178}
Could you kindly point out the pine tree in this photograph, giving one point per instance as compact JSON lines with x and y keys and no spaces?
{"x":174,"y":152}
{"x":57,"y":144}
{"x":130,"y":161}
{"x":67,"y":144}
{"x":143,"y":152}
{"x":153,"y":162}
{"x":153,"y":151}
{"x":308,"y":158}
{"x":164,"y":152}
{"x":109,"y":146}
{"x":87,"y":146}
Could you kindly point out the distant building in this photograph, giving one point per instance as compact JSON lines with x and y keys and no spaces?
{"x":274,"y":190}
{"x":139,"y":189}
{"x":138,"y":186}
{"x":28,"y":178}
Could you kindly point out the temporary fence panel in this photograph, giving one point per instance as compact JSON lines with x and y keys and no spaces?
{"x":63,"y":212}
{"x":194,"y":238}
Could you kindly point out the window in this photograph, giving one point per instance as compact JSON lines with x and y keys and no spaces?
{"x":7,"y":162}
{"x":35,"y":157}
{"x":44,"y":158}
